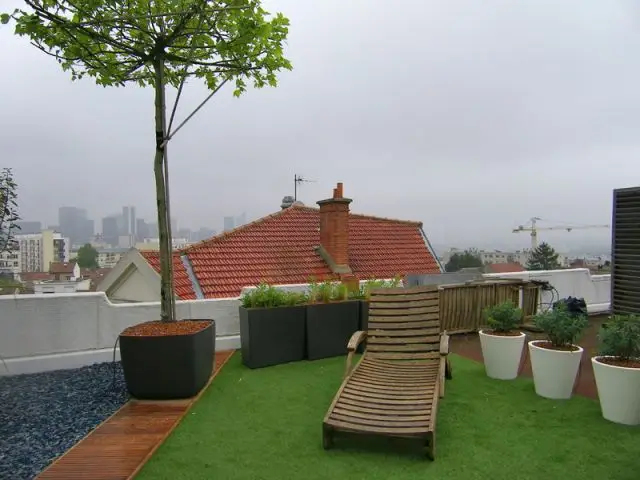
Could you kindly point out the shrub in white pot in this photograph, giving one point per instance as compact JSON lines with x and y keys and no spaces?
{"x":555,"y":361}
{"x":617,"y":369}
{"x":502,"y":342}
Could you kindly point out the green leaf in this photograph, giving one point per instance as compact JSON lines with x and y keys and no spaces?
{"x":4,"y":18}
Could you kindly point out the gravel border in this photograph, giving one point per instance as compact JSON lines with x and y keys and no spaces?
{"x":43,"y":415}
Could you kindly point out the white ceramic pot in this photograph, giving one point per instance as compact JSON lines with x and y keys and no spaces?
{"x":554,"y":371}
{"x":619,"y":392}
{"x":501,"y":354}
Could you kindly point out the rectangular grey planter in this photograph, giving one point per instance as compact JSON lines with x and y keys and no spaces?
{"x":271,"y":336}
{"x":168,"y":367}
{"x":329,"y":328}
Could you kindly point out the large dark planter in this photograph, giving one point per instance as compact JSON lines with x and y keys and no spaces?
{"x":329,"y":328}
{"x":270,"y":336}
{"x":168,"y":367}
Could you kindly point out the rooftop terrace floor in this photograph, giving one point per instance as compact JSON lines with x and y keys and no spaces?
{"x":266,"y":424}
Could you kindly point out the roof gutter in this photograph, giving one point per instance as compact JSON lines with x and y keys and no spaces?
{"x":431,"y":250}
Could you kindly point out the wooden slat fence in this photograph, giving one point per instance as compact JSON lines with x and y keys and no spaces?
{"x":461,"y":305}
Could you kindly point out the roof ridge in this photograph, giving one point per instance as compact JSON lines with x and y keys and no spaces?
{"x":228,"y":233}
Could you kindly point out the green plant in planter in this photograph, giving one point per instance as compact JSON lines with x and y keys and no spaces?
{"x":503,"y":318}
{"x":620,"y":338}
{"x":561,"y":327}
{"x":268,"y":296}
{"x":272,"y":326}
{"x":365,"y":289}
{"x":332,"y":318}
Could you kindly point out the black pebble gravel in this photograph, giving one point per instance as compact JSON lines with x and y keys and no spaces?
{"x":42,"y":415}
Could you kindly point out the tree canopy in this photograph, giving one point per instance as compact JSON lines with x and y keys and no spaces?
{"x":544,"y":257}
{"x":117,"y":41}
{"x":470,"y":258}
{"x":87,"y":256}
{"x":8,"y":210}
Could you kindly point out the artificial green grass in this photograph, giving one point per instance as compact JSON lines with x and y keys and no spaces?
{"x":266,"y":424}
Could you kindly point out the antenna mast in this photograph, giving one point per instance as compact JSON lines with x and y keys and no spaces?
{"x":297,"y":179}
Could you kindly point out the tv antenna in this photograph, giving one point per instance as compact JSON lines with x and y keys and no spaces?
{"x":298,"y":179}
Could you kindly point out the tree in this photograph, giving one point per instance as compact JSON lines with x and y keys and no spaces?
{"x":8,"y":210}
{"x":543,"y":258}
{"x":470,"y":258}
{"x":156,"y":44}
{"x":87,"y":256}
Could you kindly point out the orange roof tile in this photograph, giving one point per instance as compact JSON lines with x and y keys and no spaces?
{"x":62,"y":267}
{"x":35,"y":276}
{"x":504,"y":267}
{"x":181,"y":282}
{"x":280,"y":249}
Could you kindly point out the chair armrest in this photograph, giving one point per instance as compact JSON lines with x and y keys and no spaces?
{"x":356,"y":339}
{"x":444,"y":344}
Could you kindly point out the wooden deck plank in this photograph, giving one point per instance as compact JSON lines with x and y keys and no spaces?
{"x":119,"y":447}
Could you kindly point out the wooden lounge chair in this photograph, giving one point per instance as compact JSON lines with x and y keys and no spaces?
{"x":394,"y":388}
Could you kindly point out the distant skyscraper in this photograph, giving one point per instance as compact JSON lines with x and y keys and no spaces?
{"x":204,"y":233}
{"x":110,"y":230}
{"x":74,"y":224}
{"x":241,"y":219}
{"x":142,"y":229}
{"x":132,"y":221}
{"x":229,"y":223}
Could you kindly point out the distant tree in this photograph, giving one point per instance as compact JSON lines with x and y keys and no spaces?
{"x":8,"y":210}
{"x":470,"y":258}
{"x":87,"y":256}
{"x":544,"y":257}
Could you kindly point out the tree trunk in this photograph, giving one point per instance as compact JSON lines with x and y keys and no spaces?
{"x":167,"y":305}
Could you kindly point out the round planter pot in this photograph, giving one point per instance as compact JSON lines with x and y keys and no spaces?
{"x":619,"y":392}
{"x":554,"y":371}
{"x":501,"y":354}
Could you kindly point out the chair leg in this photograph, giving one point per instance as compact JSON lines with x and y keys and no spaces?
{"x":430,"y":446}
{"x":448,"y":370}
{"x":327,"y":436}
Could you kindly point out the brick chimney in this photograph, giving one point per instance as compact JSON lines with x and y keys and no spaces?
{"x":334,"y":231}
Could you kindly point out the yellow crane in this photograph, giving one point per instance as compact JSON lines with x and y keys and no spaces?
{"x":533,"y":229}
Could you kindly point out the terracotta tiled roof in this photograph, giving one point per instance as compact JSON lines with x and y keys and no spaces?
{"x":62,"y":267}
{"x":181,"y":281}
{"x":280,"y":249}
{"x":504,"y":267}
{"x":35,"y":276}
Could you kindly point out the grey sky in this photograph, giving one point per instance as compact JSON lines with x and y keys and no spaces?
{"x":469,"y":116}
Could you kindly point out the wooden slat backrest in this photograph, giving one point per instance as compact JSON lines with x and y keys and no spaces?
{"x":404,"y":323}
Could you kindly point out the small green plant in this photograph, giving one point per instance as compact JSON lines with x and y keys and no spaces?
{"x":340,"y":292}
{"x":268,"y":296}
{"x":561,"y":327}
{"x":503,"y":318}
{"x":620,"y":337}
{"x":365,"y":289}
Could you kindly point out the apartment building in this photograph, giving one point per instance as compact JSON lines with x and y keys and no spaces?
{"x":38,"y":250}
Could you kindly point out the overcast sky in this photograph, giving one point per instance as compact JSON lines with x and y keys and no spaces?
{"x":468,"y":116}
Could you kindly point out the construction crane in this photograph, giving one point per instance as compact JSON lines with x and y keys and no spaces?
{"x":533,"y":228}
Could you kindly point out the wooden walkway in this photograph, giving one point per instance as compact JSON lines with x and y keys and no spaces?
{"x":119,"y":447}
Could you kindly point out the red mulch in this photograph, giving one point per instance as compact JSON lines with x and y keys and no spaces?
{"x":469,"y":346}
{"x":165,"y":329}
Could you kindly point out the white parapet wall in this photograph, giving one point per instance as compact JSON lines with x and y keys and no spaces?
{"x":57,"y":331}
{"x":576,"y":282}
{"x":49,"y":332}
